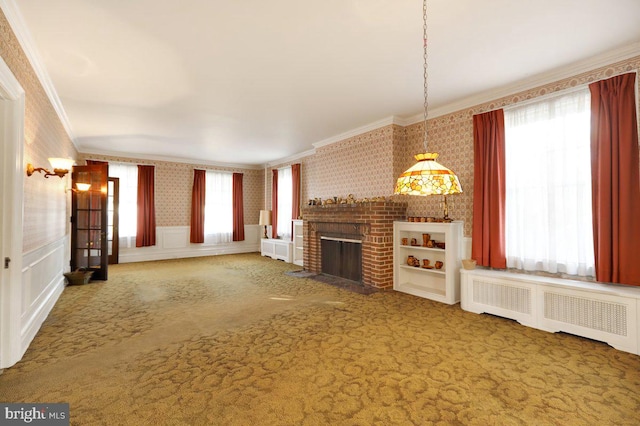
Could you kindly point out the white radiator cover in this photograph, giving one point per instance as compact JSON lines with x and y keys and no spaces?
{"x":608,"y":313}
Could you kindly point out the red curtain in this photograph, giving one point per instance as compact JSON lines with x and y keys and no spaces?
{"x":615,"y":180}
{"x":488,"y":237}
{"x":146,"y":233}
{"x":238,"y":208}
{"x":198,"y":195}
{"x":274,"y":203}
{"x":295,"y":203}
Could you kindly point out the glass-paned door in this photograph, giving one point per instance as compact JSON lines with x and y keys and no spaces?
{"x":89,"y":221}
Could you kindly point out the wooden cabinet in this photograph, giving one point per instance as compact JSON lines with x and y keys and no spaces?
{"x":298,"y":242}
{"x":89,"y":221}
{"x":439,"y":282}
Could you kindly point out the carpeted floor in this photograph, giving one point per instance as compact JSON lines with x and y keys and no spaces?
{"x":234,"y":340}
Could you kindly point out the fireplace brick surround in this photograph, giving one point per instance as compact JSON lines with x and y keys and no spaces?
{"x":372,"y":223}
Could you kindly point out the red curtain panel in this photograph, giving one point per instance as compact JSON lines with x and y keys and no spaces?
{"x":238,"y":208}
{"x":295,"y":203}
{"x":274,"y":203}
{"x":146,"y":232}
{"x":615,"y":180}
{"x":489,"y":189}
{"x":198,"y":195}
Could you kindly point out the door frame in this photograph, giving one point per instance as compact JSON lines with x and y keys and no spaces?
{"x":12,"y":110}
{"x":115,"y":238}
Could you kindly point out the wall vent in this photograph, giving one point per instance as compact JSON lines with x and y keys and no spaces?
{"x":594,"y":314}
{"x":508,"y":297}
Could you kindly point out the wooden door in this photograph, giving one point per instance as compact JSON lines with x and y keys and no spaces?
{"x":113,"y":236}
{"x":89,"y":221}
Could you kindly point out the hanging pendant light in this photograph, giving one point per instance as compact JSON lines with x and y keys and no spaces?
{"x":427,"y":176}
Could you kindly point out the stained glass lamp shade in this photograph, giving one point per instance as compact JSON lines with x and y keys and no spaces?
{"x":428,"y":177}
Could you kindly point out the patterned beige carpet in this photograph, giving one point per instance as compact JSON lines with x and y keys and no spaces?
{"x":233,"y":340}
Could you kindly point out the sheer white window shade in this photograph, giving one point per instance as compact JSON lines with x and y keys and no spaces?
{"x":285,"y":202}
{"x":128,"y":201}
{"x":218,"y":208}
{"x":548,"y":221}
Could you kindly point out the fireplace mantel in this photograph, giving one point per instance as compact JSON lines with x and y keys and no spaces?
{"x":372,"y":223}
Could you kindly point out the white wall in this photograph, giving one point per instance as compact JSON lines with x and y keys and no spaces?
{"x":172,"y":242}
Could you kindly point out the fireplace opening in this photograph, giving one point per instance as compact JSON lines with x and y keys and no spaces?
{"x":342,"y":257}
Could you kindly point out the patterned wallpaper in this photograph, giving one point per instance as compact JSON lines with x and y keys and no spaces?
{"x":362,"y":165}
{"x":451,"y":136}
{"x":368,"y":164}
{"x":46,"y":205}
{"x":365,"y":165}
{"x":173,"y":189}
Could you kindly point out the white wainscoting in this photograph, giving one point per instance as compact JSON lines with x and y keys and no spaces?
{"x":172,"y":242}
{"x":605,"y":312}
{"x":42,"y":285}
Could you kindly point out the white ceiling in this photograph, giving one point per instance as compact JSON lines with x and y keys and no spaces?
{"x":255,"y":81}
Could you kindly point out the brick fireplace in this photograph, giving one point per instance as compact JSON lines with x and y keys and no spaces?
{"x":370,"y":223}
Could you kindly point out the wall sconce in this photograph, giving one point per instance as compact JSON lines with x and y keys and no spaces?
{"x":83,"y":187}
{"x":61,"y":167}
{"x":265,"y":220}
{"x":80,"y":187}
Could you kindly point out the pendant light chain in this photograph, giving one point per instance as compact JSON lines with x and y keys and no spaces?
{"x":425,"y":74}
{"x":427,"y":176}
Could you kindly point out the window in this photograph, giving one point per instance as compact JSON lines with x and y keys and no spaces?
{"x":128,"y":201}
{"x":218,"y":208}
{"x":285,"y":202}
{"x":548,"y":223}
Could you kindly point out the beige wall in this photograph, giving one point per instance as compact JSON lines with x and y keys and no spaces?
{"x":46,"y":206}
{"x":368,"y":164}
{"x":173,"y":189}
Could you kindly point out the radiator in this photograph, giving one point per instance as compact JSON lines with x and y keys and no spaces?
{"x":608,"y":313}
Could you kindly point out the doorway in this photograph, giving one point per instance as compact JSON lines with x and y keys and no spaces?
{"x":12,"y":104}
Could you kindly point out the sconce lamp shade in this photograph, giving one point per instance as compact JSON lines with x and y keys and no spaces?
{"x":428,"y":177}
{"x":265,"y":217}
{"x":83,"y":187}
{"x":61,"y":163}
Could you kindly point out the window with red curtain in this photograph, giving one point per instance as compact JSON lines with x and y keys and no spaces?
{"x":198,"y":194}
{"x":238,"y":208}
{"x":615,"y":180}
{"x":274,"y":203}
{"x":488,"y":238}
{"x":146,"y":235}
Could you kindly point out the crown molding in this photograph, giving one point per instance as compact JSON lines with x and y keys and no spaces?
{"x":19,"y":28}
{"x":147,"y":157}
{"x":360,"y":130}
{"x":289,"y":159}
{"x":571,"y":70}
